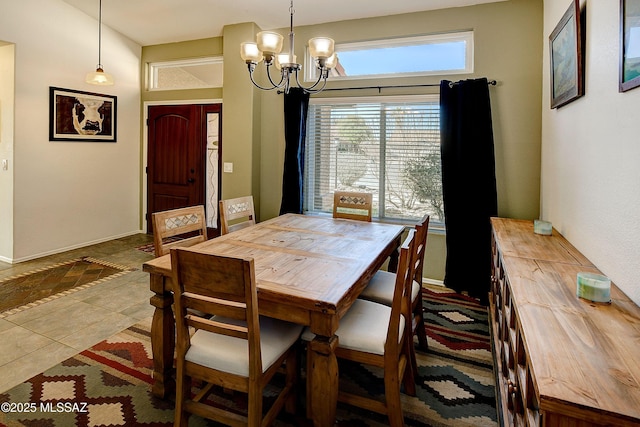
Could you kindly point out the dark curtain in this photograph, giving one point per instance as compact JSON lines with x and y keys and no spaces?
{"x":468,"y":184}
{"x":296,"y":105}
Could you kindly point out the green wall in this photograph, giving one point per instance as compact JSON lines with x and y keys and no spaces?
{"x":507,"y":48}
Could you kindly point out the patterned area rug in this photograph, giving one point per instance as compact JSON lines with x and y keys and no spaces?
{"x":35,"y":287}
{"x":150,"y":247}
{"x":109,"y":384}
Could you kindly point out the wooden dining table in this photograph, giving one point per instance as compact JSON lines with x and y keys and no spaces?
{"x":309,"y":270}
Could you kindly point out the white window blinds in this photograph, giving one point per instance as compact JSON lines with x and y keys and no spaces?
{"x":388,"y":146}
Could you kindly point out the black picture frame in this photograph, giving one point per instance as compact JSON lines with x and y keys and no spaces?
{"x":82,"y":116}
{"x":565,"y":50}
{"x":629,"y":75}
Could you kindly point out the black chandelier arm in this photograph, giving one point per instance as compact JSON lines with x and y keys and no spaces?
{"x":284,"y":81}
{"x":251,"y":68}
{"x":312,"y":89}
{"x":284,"y":77}
{"x":320,"y":89}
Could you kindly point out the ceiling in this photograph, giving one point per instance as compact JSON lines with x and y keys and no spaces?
{"x":150,"y":22}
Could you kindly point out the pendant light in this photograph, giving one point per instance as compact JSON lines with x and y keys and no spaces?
{"x":99,"y":77}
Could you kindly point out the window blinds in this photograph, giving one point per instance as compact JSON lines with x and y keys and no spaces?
{"x":388,"y":146}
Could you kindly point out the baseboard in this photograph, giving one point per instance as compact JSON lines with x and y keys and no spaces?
{"x":432,"y":282}
{"x":69,"y":248}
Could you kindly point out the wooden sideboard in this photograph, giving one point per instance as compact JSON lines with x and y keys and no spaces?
{"x":559,"y":360}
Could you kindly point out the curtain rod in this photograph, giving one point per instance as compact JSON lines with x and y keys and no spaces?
{"x":451,"y":84}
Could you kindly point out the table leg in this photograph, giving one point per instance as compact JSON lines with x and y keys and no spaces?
{"x":162,"y":338}
{"x":324,"y":380}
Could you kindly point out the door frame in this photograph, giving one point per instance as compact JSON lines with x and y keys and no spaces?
{"x":145,"y":146}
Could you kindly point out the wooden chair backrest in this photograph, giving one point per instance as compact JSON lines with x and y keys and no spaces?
{"x":401,"y":305}
{"x":420,"y":247}
{"x":236,"y":214}
{"x":207,"y":285}
{"x":352,"y":205}
{"x":189,"y":224}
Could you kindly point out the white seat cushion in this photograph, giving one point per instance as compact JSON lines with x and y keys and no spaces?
{"x":380,"y":288}
{"x":229,"y":354}
{"x":363,"y":328}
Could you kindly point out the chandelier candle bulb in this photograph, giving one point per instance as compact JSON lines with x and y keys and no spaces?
{"x":593,"y":287}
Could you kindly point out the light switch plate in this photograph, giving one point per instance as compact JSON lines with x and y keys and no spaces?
{"x":227,"y":167}
{"x":5,"y":164}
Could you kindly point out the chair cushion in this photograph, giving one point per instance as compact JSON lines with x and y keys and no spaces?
{"x":363,"y":328}
{"x":231,"y":354}
{"x":380,"y":288}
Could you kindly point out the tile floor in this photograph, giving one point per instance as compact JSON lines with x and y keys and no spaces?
{"x":42,"y":336}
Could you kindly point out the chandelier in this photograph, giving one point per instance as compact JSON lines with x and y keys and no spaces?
{"x":268,"y":46}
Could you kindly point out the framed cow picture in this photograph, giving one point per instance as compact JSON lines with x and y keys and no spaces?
{"x":81,"y":116}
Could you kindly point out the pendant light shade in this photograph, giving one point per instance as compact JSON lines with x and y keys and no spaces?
{"x":321,"y":47}
{"x":99,"y":77}
{"x":269,"y":42}
{"x":250,"y":52}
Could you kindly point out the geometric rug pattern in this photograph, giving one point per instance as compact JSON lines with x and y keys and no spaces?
{"x":44,"y":284}
{"x":458,"y":327}
{"x":107,"y":385}
{"x":110,"y":383}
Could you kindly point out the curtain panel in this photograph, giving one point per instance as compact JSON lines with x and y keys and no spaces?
{"x":296,"y":106}
{"x":468,"y":184}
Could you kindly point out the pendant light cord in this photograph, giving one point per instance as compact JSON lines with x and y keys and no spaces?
{"x":100,"y":36}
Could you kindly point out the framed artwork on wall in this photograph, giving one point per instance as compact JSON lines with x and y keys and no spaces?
{"x":629,"y":44}
{"x":565,"y":49}
{"x":81,"y":116}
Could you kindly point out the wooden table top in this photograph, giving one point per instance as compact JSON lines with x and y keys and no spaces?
{"x":310,"y":262}
{"x":517,"y":239}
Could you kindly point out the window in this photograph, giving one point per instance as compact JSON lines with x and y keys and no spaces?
{"x":437,"y":54}
{"x":186,"y":74}
{"x":388,"y":146}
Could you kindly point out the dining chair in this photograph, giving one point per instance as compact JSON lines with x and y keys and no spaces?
{"x":375,"y":334}
{"x":352,"y":205}
{"x":178,"y":228}
{"x":381,"y":288}
{"x":236,"y":214}
{"x":230,"y":346}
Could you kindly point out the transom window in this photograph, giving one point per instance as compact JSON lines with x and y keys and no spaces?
{"x":197,"y":73}
{"x":388,"y":146}
{"x":438,"y":54}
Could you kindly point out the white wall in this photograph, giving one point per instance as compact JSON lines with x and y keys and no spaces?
{"x":69,"y":194}
{"x":590,"y":185}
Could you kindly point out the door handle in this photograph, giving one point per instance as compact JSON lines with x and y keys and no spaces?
{"x":191,"y":180}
